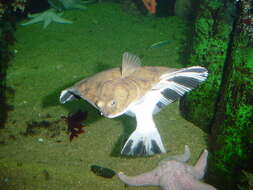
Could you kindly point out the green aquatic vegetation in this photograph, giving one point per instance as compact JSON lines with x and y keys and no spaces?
{"x":234,"y":117}
{"x":209,"y":50}
{"x":248,"y":58}
{"x":225,"y":99}
{"x":248,"y":178}
{"x":200,"y":50}
{"x":232,"y":140}
{"x":235,"y":142}
{"x":202,"y":26}
{"x":243,"y":115}
{"x":214,"y":4}
{"x":237,"y":127}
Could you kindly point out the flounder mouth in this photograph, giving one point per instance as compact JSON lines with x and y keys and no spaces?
{"x":108,"y":115}
{"x":111,"y":116}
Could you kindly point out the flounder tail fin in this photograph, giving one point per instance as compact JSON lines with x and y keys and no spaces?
{"x":144,"y":141}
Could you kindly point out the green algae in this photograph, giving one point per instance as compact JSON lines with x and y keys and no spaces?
{"x":50,"y":60}
{"x":233,"y":121}
{"x":223,"y":104}
{"x":208,"y":49}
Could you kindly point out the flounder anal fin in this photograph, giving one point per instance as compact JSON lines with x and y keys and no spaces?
{"x":130,"y":63}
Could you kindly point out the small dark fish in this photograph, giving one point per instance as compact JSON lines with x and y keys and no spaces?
{"x":159,"y":44}
{"x":103,"y":172}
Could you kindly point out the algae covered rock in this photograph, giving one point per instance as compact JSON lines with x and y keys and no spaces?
{"x":223,"y":105}
{"x":208,"y":49}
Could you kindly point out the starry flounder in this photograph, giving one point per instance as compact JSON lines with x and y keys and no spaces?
{"x":139,"y":91}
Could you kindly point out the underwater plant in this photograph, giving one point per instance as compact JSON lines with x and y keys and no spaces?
{"x":248,"y":178}
{"x":208,"y":48}
{"x":232,"y":126}
{"x":7,"y":7}
{"x":223,"y":105}
{"x":7,"y":39}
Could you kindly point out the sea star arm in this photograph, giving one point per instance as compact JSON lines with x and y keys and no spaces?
{"x":187,"y":181}
{"x":35,"y":19}
{"x":47,"y":21}
{"x":198,"y":185}
{"x":58,"y":19}
{"x":181,"y":157}
{"x":201,"y":164}
{"x":149,"y":178}
{"x":47,"y":17}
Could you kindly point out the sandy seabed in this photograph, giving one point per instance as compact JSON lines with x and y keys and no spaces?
{"x":49,"y":60}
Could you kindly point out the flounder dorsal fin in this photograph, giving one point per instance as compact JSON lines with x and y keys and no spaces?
{"x":130,"y":63}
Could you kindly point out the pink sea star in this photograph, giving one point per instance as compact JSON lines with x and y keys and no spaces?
{"x":173,"y":174}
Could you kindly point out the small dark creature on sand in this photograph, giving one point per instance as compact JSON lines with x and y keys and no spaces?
{"x":103,"y":172}
{"x":75,"y":126}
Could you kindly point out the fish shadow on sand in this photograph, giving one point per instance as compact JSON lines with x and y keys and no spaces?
{"x":128,"y":127}
{"x":52,"y":99}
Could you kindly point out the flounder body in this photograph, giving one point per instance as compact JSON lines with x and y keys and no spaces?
{"x":112,"y":94}
{"x":136,"y":91}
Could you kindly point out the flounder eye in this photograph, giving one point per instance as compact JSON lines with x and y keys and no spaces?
{"x":112,"y":103}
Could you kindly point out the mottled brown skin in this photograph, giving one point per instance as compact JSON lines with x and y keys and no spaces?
{"x":111,"y":93}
